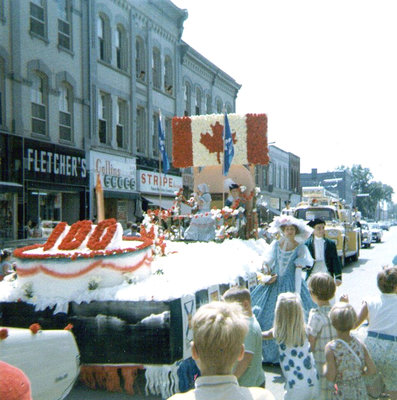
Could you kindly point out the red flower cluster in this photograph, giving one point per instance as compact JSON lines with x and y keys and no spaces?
{"x":49,"y":244}
{"x":35,"y":328}
{"x":182,"y":140}
{"x":3,"y":333}
{"x":76,"y":235}
{"x":99,"y":242}
{"x":68,"y":327}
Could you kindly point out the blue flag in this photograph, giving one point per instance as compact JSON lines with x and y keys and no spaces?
{"x":228,"y":147}
{"x":163,"y":152}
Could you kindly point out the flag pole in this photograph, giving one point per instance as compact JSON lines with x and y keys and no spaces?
{"x":160,"y":155}
{"x":223,"y":163}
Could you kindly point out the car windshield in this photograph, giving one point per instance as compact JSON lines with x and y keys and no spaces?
{"x":374,"y":226}
{"x":308,"y":214}
{"x":364,"y":226}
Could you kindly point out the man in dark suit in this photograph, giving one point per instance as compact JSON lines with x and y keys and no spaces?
{"x":324,"y":252}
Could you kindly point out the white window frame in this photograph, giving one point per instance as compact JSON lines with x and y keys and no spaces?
{"x":65,"y":112}
{"x":36,"y":6}
{"x":39,"y":102}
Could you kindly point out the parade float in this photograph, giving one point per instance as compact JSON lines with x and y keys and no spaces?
{"x":130,"y":300}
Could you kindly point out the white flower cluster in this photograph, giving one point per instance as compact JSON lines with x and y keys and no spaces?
{"x":201,"y":124}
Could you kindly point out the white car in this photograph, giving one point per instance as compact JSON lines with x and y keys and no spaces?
{"x":376,"y":232}
{"x":366,"y":235}
{"x":50,"y":359}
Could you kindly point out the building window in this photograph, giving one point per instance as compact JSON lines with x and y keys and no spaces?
{"x":121,"y":48}
{"x":198,"y":101}
{"x":228,"y":109}
{"x":1,"y":10}
{"x":37,"y":18}
{"x":103,"y":117}
{"x":156,"y":68}
{"x":121,"y":123}
{"x":208,"y":104}
{"x":187,"y":98}
{"x":219,"y":106}
{"x":140,"y":130}
{"x":140,"y":64}
{"x":39,"y":100}
{"x":103,"y":33}
{"x":168,"y":75}
{"x":65,"y":112}
{"x":2,"y":98}
{"x":155,"y":135}
{"x":64,"y":34}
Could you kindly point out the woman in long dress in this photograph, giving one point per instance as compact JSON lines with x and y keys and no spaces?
{"x":202,"y":224}
{"x":283,"y":264}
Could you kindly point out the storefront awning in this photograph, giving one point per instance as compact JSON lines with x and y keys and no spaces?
{"x":10,"y":187}
{"x":108,"y":194}
{"x":166,"y":203}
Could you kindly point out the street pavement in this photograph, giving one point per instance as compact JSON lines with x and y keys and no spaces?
{"x":359,"y":282}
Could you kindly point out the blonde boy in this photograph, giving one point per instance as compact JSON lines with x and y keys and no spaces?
{"x":248,"y":371}
{"x":219,"y":329}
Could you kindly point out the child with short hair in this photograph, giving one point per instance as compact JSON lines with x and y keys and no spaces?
{"x":219,"y":329}
{"x":322,"y":289}
{"x":296,"y":360}
{"x":347,"y":359}
{"x":248,"y":371}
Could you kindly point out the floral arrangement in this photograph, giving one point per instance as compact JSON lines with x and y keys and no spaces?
{"x":68,"y":327}
{"x":34,"y":328}
{"x":76,"y":235}
{"x":54,"y":236}
{"x":99,"y":242}
{"x":3,"y":333}
{"x":198,"y":140}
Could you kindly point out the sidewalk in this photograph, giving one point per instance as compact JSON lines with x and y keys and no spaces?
{"x":274,"y":381}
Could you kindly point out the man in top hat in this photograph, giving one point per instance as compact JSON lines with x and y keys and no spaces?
{"x":324,"y":252}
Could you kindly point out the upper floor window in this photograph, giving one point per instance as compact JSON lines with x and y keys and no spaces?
{"x":2,"y":99}
{"x":103,"y":33}
{"x":140,"y":130}
{"x":39,"y":104}
{"x":37,"y":18}
{"x":140,"y":64}
{"x":156,"y":68}
{"x":65,"y":112}
{"x":155,"y":135}
{"x":103,"y":117}
{"x":121,"y":123}
{"x":198,"y":101}
{"x":228,"y":108}
{"x":187,"y":98}
{"x":121,"y":48}
{"x":208,"y":104}
{"x":64,"y":24}
{"x":219,"y":106}
{"x":1,"y":10}
{"x":168,"y":75}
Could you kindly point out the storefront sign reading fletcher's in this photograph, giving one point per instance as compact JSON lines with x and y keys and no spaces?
{"x":153,"y":182}
{"x":52,"y":163}
{"x":117,"y":173}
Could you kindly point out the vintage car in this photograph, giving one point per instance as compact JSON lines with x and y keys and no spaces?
{"x":366,"y":237}
{"x":50,"y":359}
{"x":340,"y":225}
{"x":376,"y":232}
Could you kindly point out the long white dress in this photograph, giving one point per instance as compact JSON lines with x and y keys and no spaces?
{"x":202,"y":225}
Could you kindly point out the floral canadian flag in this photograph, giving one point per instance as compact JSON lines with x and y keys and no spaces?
{"x":197,"y":141}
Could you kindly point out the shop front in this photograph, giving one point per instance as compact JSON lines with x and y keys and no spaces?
{"x":11,"y":188}
{"x":55,"y":184}
{"x":118,"y":180}
{"x":158,"y":190}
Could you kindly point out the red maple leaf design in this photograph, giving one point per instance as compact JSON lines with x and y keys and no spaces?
{"x":214,"y":142}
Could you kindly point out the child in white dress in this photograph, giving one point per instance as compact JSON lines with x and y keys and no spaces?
{"x":296,"y":360}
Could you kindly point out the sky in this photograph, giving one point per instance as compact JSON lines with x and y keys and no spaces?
{"x":324,"y":72}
